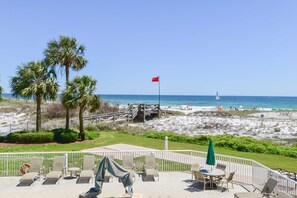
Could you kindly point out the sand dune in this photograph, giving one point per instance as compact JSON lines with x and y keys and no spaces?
{"x":275,"y":125}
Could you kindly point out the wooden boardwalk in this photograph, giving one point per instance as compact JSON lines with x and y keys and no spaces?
{"x":134,"y":111}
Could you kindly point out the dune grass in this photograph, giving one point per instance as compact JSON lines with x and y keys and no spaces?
{"x":108,"y":138}
{"x":244,"y":113}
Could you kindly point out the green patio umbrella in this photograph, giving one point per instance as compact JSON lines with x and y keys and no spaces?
{"x":210,"y":159}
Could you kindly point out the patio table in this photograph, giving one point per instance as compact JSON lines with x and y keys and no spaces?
{"x":73,"y":171}
{"x":212,"y":173}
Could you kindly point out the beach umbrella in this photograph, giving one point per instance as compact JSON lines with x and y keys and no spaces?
{"x":210,"y":159}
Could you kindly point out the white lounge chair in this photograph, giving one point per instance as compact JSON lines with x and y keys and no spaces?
{"x":283,"y":195}
{"x":58,"y":169}
{"x":128,"y":164}
{"x":34,"y":171}
{"x":151,"y":167}
{"x":267,"y":191}
{"x":88,"y":167}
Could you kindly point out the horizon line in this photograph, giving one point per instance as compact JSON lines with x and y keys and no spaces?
{"x":200,"y":95}
{"x":188,"y":95}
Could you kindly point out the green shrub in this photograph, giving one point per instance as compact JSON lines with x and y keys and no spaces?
{"x":291,"y":153}
{"x":243,"y":144}
{"x":66,"y":137}
{"x":242,"y":147}
{"x":201,"y":138}
{"x":2,"y":139}
{"x":62,"y":135}
{"x":30,"y":137}
{"x":91,"y":135}
{"x":273,"y":150}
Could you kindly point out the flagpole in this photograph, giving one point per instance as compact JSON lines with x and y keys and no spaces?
{"x":159,"y":99}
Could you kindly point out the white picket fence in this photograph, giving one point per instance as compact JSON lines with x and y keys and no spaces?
{"x":247,"y":171}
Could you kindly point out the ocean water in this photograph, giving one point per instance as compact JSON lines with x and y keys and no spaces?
{"x":227,"y":102}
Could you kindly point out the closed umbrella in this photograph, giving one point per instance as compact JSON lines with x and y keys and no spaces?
{"x":210,"y":159}
{"x":114,"y":169}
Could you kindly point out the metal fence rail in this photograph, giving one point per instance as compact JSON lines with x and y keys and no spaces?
{"x":247,"y":171}
{"x":7,"y":128}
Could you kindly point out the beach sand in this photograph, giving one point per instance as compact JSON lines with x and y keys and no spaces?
{"x":276,"y":125}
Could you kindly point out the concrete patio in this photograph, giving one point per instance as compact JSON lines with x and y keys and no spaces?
{"x":174,"y":171}
{"x":171,"y":184}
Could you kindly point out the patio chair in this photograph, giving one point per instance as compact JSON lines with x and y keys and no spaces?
{"x":267,"y":191}
{"x":88,"y":167}
{"x":57,"y":170}
{"x":199,"y":178}
{"x":194,"y":167}
{"x":128,"y":164}
{"x":221,"y":166}
{"x":34,"y":171}
{"x":108,"y":175}
{"x":227,"y":180}
{"x":150,"y":166}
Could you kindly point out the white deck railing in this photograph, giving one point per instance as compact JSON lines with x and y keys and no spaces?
{"x":247,"y":171}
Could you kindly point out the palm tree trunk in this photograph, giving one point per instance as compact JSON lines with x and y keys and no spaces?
{"x":81,"y":124}
{"x":67,"y":109}
{"x":1,"y":89}
{"x":38,"y":112}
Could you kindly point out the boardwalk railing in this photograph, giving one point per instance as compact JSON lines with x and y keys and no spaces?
{"x":31,"y":126}
{"x":247,"y":171}
{"x":116,"y":116}
{"x":151,"y":108}
{"x":128,"y":115}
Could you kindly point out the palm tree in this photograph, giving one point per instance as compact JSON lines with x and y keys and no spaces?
{"x":69,"y":55}
{"x":80,"y":93}
{"x":37,"y":80}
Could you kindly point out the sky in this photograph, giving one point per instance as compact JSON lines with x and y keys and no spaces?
{"x":246,"y":47}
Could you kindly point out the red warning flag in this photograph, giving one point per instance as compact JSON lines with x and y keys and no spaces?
{"x":155,"y":79}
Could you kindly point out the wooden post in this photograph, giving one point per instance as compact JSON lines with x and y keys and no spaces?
{"x":159,"y":111}
{"x":143,"y":112}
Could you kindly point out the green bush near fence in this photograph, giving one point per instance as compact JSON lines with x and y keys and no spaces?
{"x":30,"y":137}
{"x":56,"y":135}
{"x":62,"y":135}
{"x":92,"y":135}
{"x":244,"y":144}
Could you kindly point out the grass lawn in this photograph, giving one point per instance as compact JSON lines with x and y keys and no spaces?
{"x":108,"y":138}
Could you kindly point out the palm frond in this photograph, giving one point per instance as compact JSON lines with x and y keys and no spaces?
{"x":65,"y":52}
{"x":34,"y":78}
{"x":80,"y":92}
